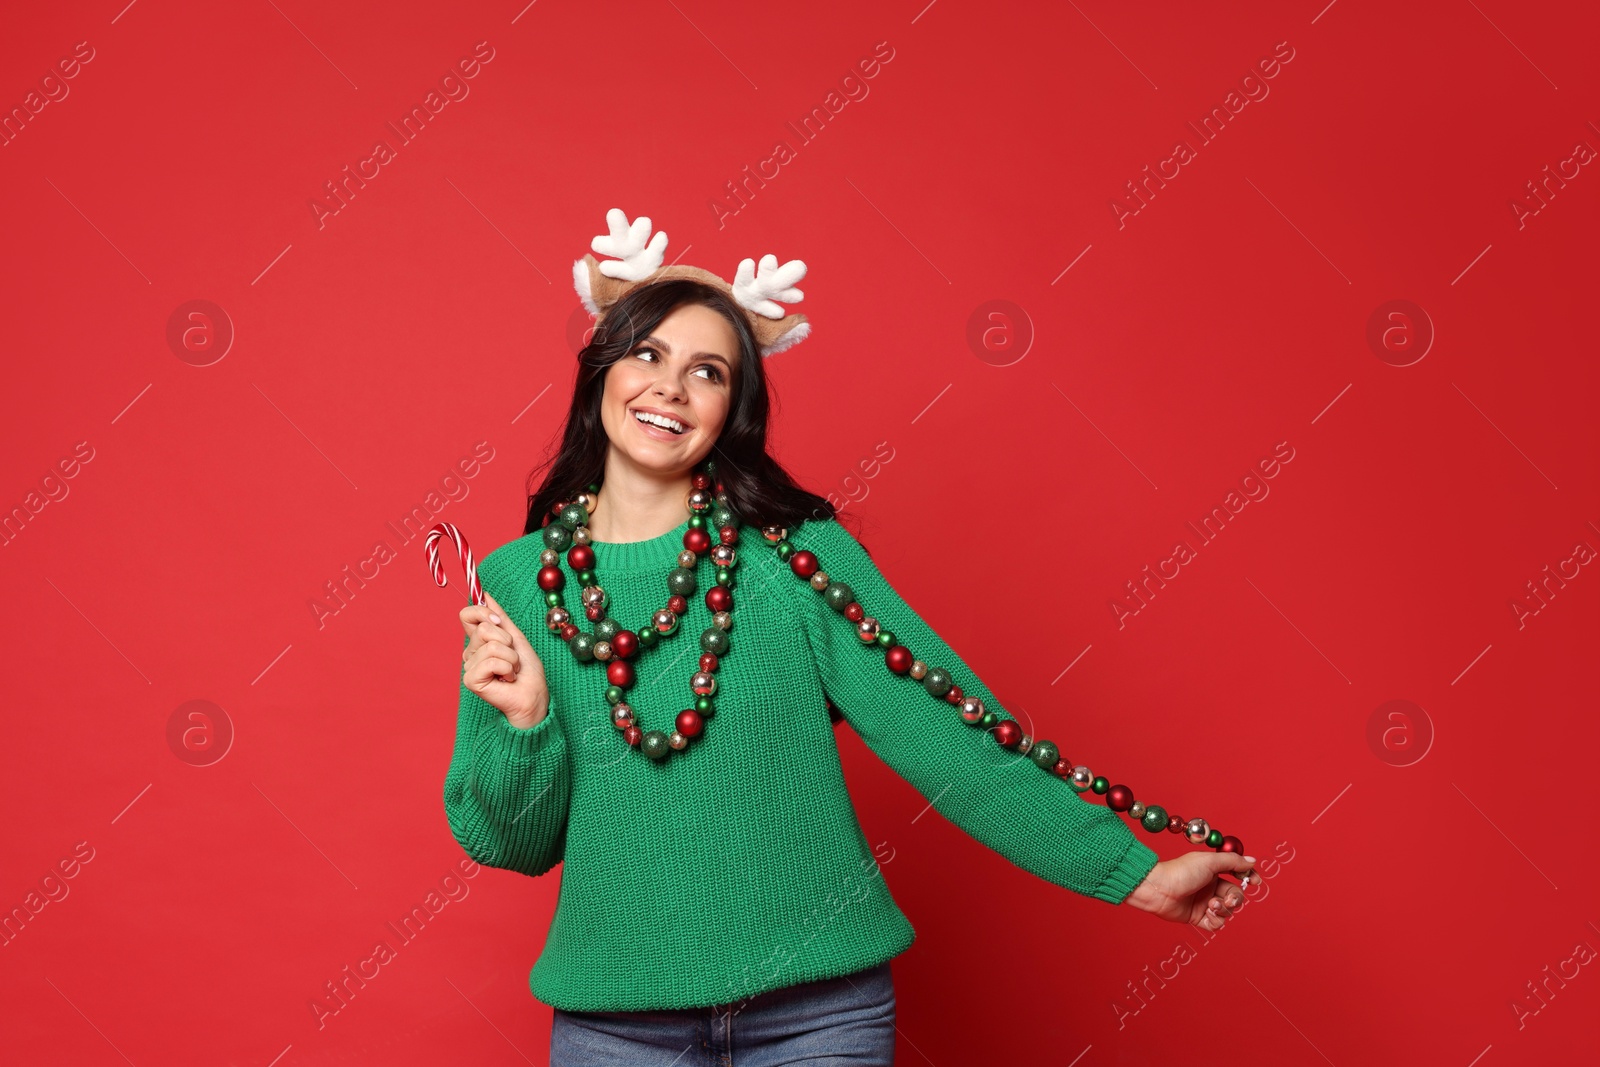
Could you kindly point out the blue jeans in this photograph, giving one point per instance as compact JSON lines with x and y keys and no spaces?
{"x":829,"y":1022}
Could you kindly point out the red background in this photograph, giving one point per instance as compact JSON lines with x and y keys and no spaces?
{"x":432,"y":312}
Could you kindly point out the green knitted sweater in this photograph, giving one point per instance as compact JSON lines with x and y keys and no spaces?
{"x":737,"y":865}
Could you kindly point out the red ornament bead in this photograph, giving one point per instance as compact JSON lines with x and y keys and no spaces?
{"x":690,"y":723}
{"x":1119,"y":798}
{"x":595,"y":612}
{"x":1063,"y":768}
{"x":550,"y":578}
{"x":729,"y":535}
{"x":1175,"y":824}
{"x":581,"y":557}
{"x":898,"y":659}
{"x":709,"y":662}
{"x":619,"y":672}
{"x":804,"y":563}
{"x":697,"y":541}
{"x":625,"y":644}
{"x":855,"y":612}
{"x":1231,"y":844}
{"x":677,"y":605}
{"x":568,"y":631}
{"x":701,"y":480}
{"x":632,"y":735}
{"x":1007,"y":733}
{"x":719,"y":598}
{"x":954,"y":696}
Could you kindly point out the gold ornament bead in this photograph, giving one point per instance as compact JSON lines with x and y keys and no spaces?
{"x":593,"y":595}
{"x":580,"y":536}
{"x":1137,"y":810}
{"x":724,"y":556}
{"x":819,"y":581}
{"x":665,"y":620}
{"x":919,"y":669}
{"x":549,"y":558}
{"x":722,"y":620}
{"x":703,"y":684}
{"x":602,"y":650}
{"x":556,"y":618}
{"x":621,"y":716}
{"x":677,"y":740}
{"x":687,"y":558}
{"x":867,"y":630}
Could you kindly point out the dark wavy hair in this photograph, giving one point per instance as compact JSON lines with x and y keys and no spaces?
{"x":759,"y":490}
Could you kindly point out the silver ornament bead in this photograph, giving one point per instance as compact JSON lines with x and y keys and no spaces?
{"x":819,"y":581}
{"x":1196,"y":830}
{"x":703,"y":684}
{"x":665,"y":620}
{"x":687,"y":558}
{"x":919,"y":669}
{"x":774,"y":533}
{"x":1025,"y":744}
{"x":867,"y":630}
{"x":700,"y":499}
{"x":580,"y":536}
{"x":677,"y":740}
{"x":724,"y":555}
{"x":971,"y":709}
{"x":1138,"y":809}
{"x":593,"y":595}
{"x":621,"y":715}
{"x":1082,"y":778}
{"x":556,"y":618}
{"x":586,"y":499}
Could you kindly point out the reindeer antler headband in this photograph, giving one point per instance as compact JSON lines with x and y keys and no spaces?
{"x":637,"y":259}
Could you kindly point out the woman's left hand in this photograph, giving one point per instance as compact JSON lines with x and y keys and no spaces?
{"x":1190,"y":889}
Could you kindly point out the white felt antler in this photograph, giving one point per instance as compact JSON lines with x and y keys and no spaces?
{"x":638,"y":255}
{"x":758,"y":291}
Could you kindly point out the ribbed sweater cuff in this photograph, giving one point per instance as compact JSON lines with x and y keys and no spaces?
{"x":1127,"y":874}
{"x":523,"y":745}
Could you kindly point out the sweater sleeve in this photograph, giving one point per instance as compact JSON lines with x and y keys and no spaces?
{"x":507,"y":790}
{"x":996,"y":795}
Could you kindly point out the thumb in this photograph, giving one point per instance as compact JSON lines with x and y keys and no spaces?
{"x":1233,"y":862}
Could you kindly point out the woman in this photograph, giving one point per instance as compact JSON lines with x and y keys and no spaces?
{"x":717,"y":888}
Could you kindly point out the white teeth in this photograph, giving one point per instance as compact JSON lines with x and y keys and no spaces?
{"x":659,"y":420}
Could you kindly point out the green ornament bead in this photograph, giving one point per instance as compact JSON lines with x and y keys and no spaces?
{"x":1044,"y":753}
{"x":937,"y":681}
{"x":1154,"y":819}
{"x":697,"y":522}
{"x":585,"y":577}
{"x":710,"y":467}
{"x":648,"y":638}
{"x":681,"y":582}
{"x":558,"y":537}
{"x":655,"y":744}
{"x":721,"y":516}
{"x":1101,"y":785}
{"x":552,"y":598}
{"x":705,"y":706}
{"x":594,"y":487}
{"x":1214,"y":839}
{"x":886,"y":640}
{"x":725,"y":577}
{"x":990,"y":720}
{"x":839,"y":596}
{"x":613,"y":694}
{"x":714,"y":640}
{"x":573,"y":516}
{"x":582,"y":645}
{"x":784,"y":550}
{"x":606,"y":628}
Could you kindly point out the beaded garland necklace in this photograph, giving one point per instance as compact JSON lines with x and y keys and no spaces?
{"x":615,"y":645}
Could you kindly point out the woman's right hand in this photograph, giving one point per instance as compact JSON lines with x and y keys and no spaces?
{"x":500,"y":665}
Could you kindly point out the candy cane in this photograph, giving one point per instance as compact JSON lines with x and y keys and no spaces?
{"x":445,"y":529}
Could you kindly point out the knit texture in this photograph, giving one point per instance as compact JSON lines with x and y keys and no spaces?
{"x":738,"y":865}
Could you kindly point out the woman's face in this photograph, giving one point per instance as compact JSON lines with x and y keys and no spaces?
{"x":684,"y":371}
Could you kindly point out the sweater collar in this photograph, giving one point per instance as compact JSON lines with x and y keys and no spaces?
{"x":654,"y":554}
